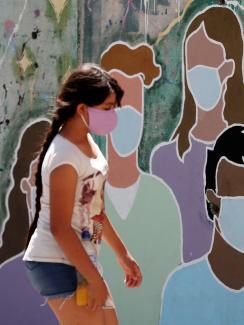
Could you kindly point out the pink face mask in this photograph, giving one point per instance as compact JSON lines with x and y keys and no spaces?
{"x":101,"y":122}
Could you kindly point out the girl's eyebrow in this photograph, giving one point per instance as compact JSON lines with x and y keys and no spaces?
{"x":110,"y":103}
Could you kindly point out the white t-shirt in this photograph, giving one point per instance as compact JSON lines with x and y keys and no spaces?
{"x":87,"y":217}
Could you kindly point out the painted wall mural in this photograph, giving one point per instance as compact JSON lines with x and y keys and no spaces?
{"x":212,"y":75}
{"x":135,"y":199}
{"x":210,"y":290}
{"x":174,"y":190}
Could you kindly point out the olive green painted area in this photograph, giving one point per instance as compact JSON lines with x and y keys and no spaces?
{"x":30,"y":71}
{"x":64,"y":64}
{"x":59,"y":25}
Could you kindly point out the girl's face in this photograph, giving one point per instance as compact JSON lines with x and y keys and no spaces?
{"x":99,"y":119}
{"x":109,"y":103}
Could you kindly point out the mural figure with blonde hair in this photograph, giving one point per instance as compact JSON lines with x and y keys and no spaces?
{"x":140,"y":205}
{"x":213,"y":99}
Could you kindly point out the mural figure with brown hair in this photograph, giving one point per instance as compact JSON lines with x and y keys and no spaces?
{"x":141,"y":206}
{"x":211,"y":290}
{"x":213,"y":98}
{"x":13,"y":281}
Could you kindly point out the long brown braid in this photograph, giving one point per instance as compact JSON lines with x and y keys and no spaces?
{"x":89,"y":85}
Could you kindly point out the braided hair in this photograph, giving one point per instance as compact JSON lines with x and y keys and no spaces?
{"x":89,"y":85}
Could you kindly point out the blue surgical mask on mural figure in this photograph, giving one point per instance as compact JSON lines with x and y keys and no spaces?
{"x":205,"y":85}
{"x":231,"y":221}
{"x":126,"y":135}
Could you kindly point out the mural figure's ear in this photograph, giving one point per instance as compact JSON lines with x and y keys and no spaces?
{"x":214,"y":201}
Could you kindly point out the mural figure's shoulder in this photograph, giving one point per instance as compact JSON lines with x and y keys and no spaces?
{"x":158,"y":188}
{"x":162,"y":156}
{"x":188,"y":276}
{"x":184,"y":294}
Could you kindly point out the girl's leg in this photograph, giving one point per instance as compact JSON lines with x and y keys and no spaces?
{"x":69,"y":313}
{"x":110,"y":317}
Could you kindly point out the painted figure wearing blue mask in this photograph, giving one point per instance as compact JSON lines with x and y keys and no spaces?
{"x":127,"y":134}
{"x":231,"y":221}
{"x":205,"y":85}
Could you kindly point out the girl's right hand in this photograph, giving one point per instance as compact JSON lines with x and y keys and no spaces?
{"x":97,"y":293}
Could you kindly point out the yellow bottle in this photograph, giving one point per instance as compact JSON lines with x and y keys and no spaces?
{"x":82,"y":294}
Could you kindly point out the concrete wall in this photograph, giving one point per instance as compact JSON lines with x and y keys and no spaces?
{"x":180,"y":64}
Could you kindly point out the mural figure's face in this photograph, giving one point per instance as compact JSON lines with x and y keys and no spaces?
{"x":207,"y":69}
{"x":228,"y":203}
{"x":126,"y":136}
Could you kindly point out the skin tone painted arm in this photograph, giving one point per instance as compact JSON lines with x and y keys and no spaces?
{"x":63,"y":182}
{"x":133,"y":277}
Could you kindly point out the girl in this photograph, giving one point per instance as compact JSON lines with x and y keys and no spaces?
{"x":70,"y":218}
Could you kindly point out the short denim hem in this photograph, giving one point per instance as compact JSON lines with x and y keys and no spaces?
{"x":60,"y":295}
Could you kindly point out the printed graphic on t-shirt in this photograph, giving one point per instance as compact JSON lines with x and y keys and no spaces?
{"x":92,"y":202}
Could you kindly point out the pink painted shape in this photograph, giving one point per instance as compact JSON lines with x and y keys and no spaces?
{"x":198,"y":48}
{"x":9,"y":25}
{"x":133,"y":88}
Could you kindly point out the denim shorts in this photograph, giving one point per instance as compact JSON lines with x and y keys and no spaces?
{"x":53,"y":280}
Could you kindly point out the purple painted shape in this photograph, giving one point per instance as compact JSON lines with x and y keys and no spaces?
{"x":37,"y":13}
{"x":20,"y":304}
{"x":186,"y":179}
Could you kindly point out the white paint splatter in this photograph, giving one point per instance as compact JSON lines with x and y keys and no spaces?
{"x":235,"y":4}
{"x":178,"y":7}
{"x":130,"y":6}
{"x":147,"y":6}
{"x":15,"y":30}
{"x":89,"y":5}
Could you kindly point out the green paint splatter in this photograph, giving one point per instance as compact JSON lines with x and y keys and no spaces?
{"x":64,"y":63}
{"x":31,"y":69}
{"x":60,"y":25}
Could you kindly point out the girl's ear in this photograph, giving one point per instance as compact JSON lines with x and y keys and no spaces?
{"x":80,"y":109}
{"x":214,"y":201}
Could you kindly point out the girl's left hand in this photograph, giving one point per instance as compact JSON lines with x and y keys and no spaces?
{"x":133,"y":276}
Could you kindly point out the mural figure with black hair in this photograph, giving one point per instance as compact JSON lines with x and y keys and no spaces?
{"x":211,"y":290}
{"x":213,"y":98}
